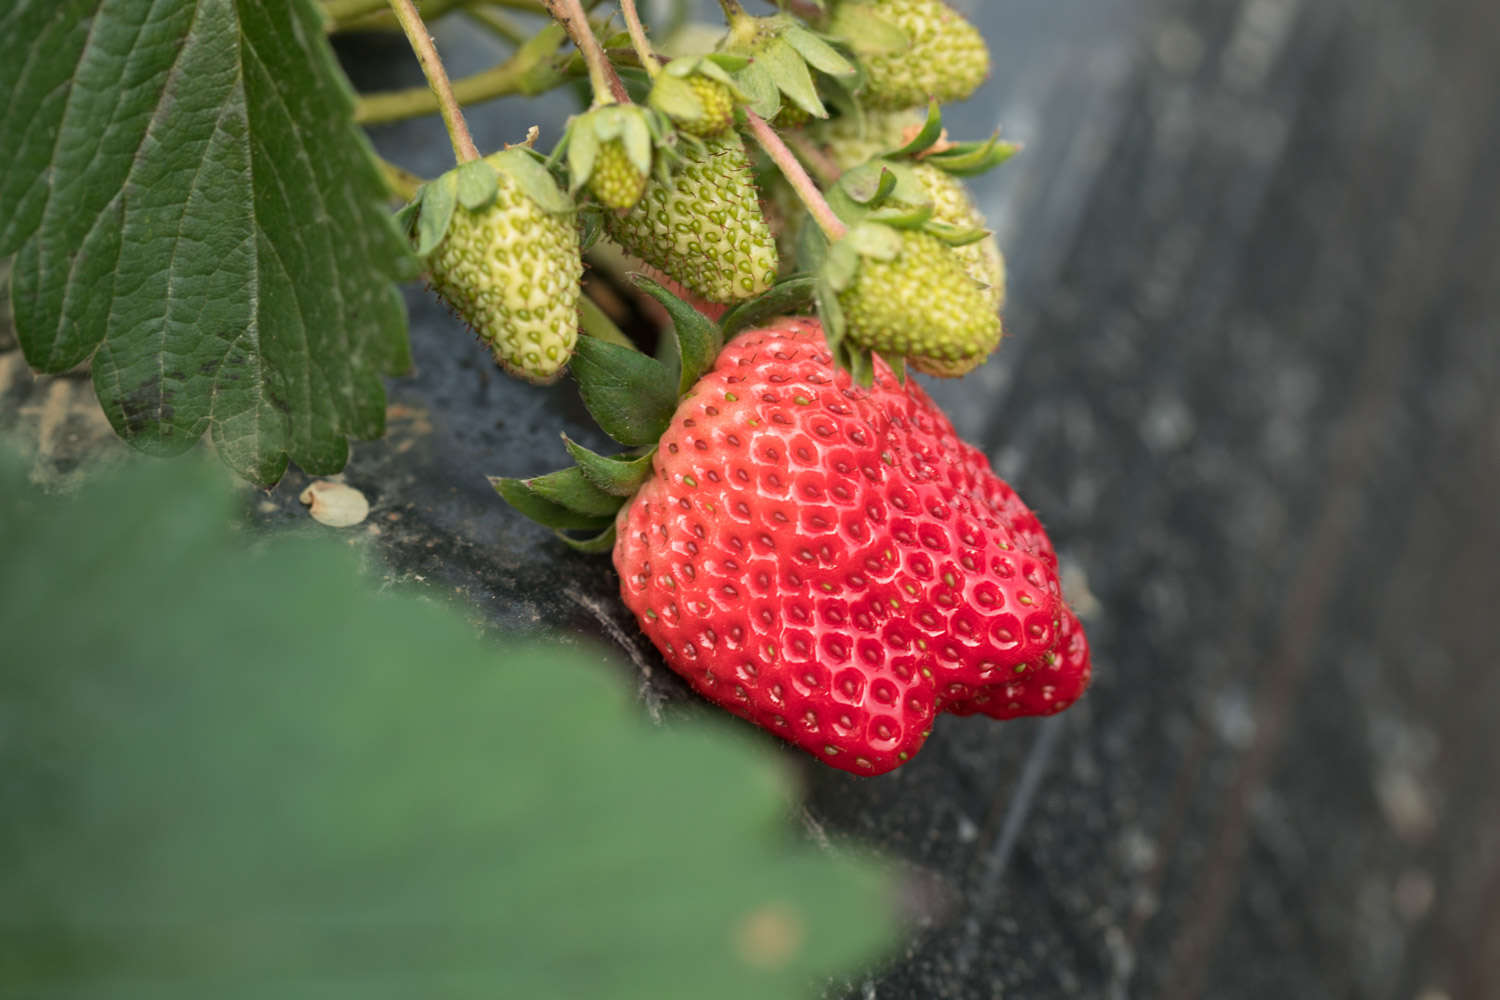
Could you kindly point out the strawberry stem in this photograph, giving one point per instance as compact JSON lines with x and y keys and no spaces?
{"x":638,"y":39}
{"x":807,"y":191}
{"x":608,"y":89}
{"x":437,"y":78}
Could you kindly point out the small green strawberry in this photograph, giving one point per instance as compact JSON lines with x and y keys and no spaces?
{"x":502,"y":250}
{"x":698,"y":93}
{"x":609,"y":151}
{"x":945,"y":58}
{"x":703,"y":226}
{"x":910,"y":296}
{"x":951,"y":205}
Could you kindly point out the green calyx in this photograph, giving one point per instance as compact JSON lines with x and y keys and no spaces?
{"x":782,"y":55}
{"x":610,"y":150}
{"x":501,"y":248}
{"x":633,"y":398}
{"x":698,"y":93}
{"x":703,"y":226}
{"x":911,"y":51}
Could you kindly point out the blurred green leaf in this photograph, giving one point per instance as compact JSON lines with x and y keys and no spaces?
{"x":239,"y":774}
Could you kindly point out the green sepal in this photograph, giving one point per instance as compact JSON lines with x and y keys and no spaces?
{"x":697,"y":337}
{"x":932,"y":130}
{"x":675,"y":97}
{"x":619,"y":476}
{"x":593,"y":545}
{"x":871,"y":239}
{"x":817,"y":53}
{"x":761,"y":93}
{"x":955,"y":236}
{"x":476,"y":184}
{"x":631,"y":396}
{"x":544,"y":511}
{"x":968,"y":159}
{"x":631,"y":124}
{"x":869,"y":183}
{"x":865,"y":32}
{"x":438,"y":199}
{"x":572,"y":489}
{"x":405,"y":217}
{"x":898,"y":366}
{"x":529,"y":171}
{"x":787,"y":69}
{"x":904,"y":215}
{"x":582,"y":147}
{"x":841,"y":264}
{"x":788,"y":296}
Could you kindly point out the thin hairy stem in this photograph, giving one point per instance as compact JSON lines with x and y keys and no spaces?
{"x":602,"y":76}
{"x":807,"y":192}
{"x":638,"y":38}
{"x":814,"y":159}
{"x":437,"y":78}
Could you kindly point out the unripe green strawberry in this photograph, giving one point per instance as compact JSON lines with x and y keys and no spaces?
{"x":616,"y":182}
{"x":920,"y":304}
{"x":946,"y":61}
{"x":704,"y":227}
{"x":510,"y":269}
{"x":952,"y":205}
{"x":718,"y":108}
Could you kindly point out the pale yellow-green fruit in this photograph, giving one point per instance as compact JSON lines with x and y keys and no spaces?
{"x":952,"y":205}
{"x":921,"y":305}
{"x":511,"y":271}
{"x":704,"y":226}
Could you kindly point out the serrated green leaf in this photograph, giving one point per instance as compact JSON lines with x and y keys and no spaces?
{"x":630,"y":396}
{"x":572,"y":489}
{"x":698,"y":340}
{"x":591,"y":545}
{"x":788,"y":296}
{"x":547,"y":513}
{"x":257,"y":779}
{"x":787,"y":70}
{"x":620,"y":476}
{"x":439,"y":199}
{"x":817,"y":53}
{"x":476,"y":184}
{"x":190,"y":204}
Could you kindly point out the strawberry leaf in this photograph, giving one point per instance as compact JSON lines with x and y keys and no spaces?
{"x":630,"y":396}
{"x":258,"y":778}
{"x":570,"y":488}
{"x":543,"y":511}
{"x":192,"y":208}
{"x":789,"y":296}
{"x":697,"y":337}
{"x":619,"y":476}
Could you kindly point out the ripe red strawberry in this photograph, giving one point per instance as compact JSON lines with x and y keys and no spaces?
{"x":829,"y":561}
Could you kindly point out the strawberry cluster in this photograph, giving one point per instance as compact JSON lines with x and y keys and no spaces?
{"x":796,"y":525}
